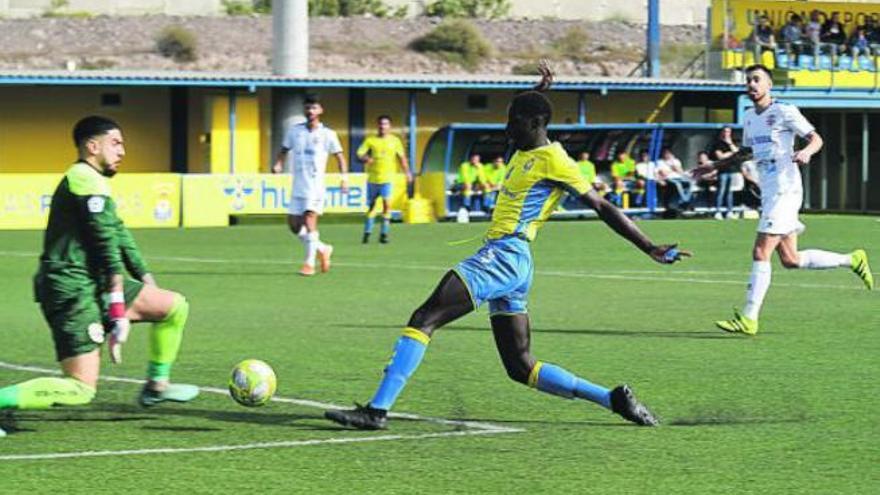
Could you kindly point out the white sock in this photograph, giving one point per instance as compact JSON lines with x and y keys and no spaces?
{"x":816,"y":259}
{"x":313,"y":244}
{"x":759,"y":282}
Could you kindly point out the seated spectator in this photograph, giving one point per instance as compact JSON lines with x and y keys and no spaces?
{"x":494,"y":177}
{"x":872,"y":31}
{"x":675,"y":182}
{"x":623,"y":174}
{"x":469,"y":180}
{"x":644,"y":172}
{"x":859,"y":44}
{"x":587,"y":168}
{"x":834,"y":36}
{"x":703,"y":176}
{"x":792,"y":37}
{"x":813,"y":35}
{"x":762,"y":38}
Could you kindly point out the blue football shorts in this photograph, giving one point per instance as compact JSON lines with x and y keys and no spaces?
{"x":500,"y":273}
{"x":374,"y":191}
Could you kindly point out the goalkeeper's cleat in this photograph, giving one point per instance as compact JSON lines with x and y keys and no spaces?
{"x":624,"y":403}
{"x":173,"y":392}
{"x":739,"y":324}
{"x":361,"y":417}
{"x":307,"y":270}
{"x":324,"y":257}
{"x":383,"y":238}
{"x":861,"y":268}
{"x":366,"y":238}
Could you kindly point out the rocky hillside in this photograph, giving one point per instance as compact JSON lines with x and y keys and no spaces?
{"x":338,"y":45}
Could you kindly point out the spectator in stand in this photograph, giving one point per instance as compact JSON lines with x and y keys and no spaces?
{"x":834,"y":36}
{"x":859,"y":44}
{"x":762,"y":38}
{"x":494,"y":179}
{"x":813,"y":34}
{"x":703,"y":175}
{"x":672,"y":178}
{"x":792,"y":37}
{"x":623,"y":173}
{"x":644,"y":172}
{"x":467,"y":183}
{"x":872,"y":31}
{"x":722,"y":148}
{"x":587,"y":168}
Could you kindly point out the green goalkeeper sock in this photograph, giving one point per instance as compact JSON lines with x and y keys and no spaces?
{"x":165,"y":338}
{"x":45,"y":392}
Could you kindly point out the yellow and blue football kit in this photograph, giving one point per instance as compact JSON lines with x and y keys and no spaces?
{"x":501,"y":271}
{"x":385,"y":152}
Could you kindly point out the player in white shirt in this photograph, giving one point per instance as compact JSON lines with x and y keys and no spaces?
{"x":769,"y":131}
{"x":309,"y":144}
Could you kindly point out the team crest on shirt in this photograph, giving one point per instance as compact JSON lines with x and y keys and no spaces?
{"x":95,"y":204}
{"x":771,"y":119}
{"x":96,"y":333}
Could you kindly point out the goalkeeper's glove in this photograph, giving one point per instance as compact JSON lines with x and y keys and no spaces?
{"x":119,"y":326}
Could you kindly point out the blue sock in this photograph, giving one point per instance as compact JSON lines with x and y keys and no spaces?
{"x":554,"y":380}
{"x":408,"y":353}
{"x":368,"y":225}
{"x":386,"y":225}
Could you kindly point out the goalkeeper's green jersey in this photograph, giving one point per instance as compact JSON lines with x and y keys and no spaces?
{"x":85,"y":242}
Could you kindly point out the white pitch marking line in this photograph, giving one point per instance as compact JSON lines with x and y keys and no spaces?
{"x":475,"y":428}
{"x":250,"y":446}
{"x":621,"y":275}
{"x":287,"y":400}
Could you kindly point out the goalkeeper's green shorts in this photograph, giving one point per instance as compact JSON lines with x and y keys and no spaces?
{"x":78,"y":319}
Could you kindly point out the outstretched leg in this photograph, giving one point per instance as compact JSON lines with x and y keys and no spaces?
{"x":512,"y":338}
{"x":449,"y":301}
{"x":75,"y":388}
{"x":817,"y":259}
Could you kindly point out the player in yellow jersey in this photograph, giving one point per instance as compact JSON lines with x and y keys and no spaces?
{"x":501,"y":273}
{"x":381,"y":155}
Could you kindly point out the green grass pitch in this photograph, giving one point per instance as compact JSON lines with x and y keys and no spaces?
{"x":793,"y":410}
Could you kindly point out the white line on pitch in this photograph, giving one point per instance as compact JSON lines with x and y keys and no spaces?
{"x":619,"y":275}
{"x":250,"y":446}
{"x":288,"y":400}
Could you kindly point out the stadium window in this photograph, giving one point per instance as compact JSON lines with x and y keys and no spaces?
{"x":111,"y":100}
{"x":478,"y":103}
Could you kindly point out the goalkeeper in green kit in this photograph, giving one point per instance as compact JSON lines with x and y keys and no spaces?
{"x":84,"y":292}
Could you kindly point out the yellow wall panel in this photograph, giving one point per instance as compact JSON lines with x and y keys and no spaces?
{"x":36,"y":124}
{"x":142,"y":200}
{"x":247,"y":134}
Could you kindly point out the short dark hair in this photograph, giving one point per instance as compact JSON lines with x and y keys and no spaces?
{"x":532,"y":104}
{"x":312,"y":99}
{"x":91,"y":126}
{"x":384,"y":117}
{"x":761,"y":67}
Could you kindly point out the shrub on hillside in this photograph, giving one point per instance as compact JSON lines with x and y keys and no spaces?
{"x":178,"y":43}
{"x":458,"y":41}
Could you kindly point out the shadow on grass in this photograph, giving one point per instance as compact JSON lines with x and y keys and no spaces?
{"x":671,"y":334}
{"x":239,"y":417}
{"x":187,"y":429}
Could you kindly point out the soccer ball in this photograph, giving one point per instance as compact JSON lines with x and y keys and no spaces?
{"x":252,"y":383}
